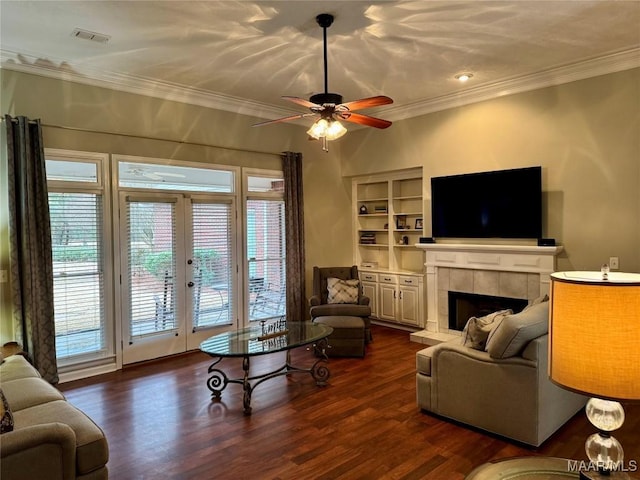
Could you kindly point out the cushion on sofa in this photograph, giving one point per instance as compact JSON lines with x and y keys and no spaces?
{"x":28,"y":392}
{"x":516,"y":331}
{"x":92,"y":451}
{"x":16,"y":366}
{"x":477,"y":329}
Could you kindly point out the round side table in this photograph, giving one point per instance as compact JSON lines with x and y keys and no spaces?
{"x":525,"y":468}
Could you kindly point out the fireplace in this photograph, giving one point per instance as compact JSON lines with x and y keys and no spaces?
{"x":513,"y":271}
{"x":464,"y":305}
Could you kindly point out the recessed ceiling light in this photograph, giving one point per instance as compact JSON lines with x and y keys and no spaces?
{"x":463,"y":77}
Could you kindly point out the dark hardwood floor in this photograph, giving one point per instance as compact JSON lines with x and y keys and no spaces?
{"x":161,"y":423}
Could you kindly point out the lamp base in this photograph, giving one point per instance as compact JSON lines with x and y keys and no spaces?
{"x":588,"y":475}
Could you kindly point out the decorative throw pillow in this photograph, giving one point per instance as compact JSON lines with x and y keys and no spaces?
{"x":477,"y":329}
{"x":543,"y":298}
{"x":342,"y":291}
{"x":6,"y":417}
{"x":536,"y":301}
{"x":516,"y":331}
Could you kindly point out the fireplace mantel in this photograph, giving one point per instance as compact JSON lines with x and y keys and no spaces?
{"x":510,"y":258}
{"x":480,"y":262}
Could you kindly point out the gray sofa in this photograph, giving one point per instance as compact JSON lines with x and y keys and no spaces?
{"x":502,"y":388}
{"x":50,"y":438}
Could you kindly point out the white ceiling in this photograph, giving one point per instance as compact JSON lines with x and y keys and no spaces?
{"x":244,"y":55}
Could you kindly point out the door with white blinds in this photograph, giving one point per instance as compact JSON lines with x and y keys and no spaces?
{"x":152,"y":281}
{"x":210,"y":265}
{"x":179,"y":262}
{"x":266,"y":249}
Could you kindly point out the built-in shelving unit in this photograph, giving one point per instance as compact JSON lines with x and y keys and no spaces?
{"x":388,"y":216}
{"x":388,"y":222}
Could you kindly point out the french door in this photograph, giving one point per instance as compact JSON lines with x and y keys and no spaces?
{"x":178,"y":267}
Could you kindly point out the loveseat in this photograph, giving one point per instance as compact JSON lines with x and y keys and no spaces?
{"x":499,"y":385}
{"x":45,"y":437}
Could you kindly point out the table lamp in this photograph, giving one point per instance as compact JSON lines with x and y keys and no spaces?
{"x":594,"y":349}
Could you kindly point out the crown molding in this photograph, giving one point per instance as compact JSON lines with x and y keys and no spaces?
{"x":615,"y":62}
{"x":11,"y":60}
{"x":611,"y":63}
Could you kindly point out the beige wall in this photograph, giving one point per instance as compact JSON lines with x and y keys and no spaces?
{"x":585,"y":134}
{"x":327,"y":198}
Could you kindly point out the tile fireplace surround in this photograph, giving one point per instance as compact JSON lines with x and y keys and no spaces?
{"x":515,"y":271}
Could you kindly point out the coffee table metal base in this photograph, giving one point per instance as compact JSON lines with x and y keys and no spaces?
{"x":219,"y":380}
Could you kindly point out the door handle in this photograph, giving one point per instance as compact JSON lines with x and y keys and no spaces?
{"x":190,"y":284}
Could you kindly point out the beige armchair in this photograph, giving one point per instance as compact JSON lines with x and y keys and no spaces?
{"x":505,"y":390}
{"x":319,"y":301}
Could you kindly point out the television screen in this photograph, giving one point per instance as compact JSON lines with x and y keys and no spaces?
{"x":498,"y":204}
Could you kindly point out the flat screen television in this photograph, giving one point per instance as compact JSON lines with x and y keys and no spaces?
{"x":497,"y":204}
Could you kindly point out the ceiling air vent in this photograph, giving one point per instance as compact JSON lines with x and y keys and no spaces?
{"x":87,"y":35}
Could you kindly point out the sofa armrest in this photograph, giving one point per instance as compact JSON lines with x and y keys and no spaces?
{"x":477,"y":355}
{"x":314,"y":300}
{"x":364,"y":300}
{"x":537,"y":350}
{"x":39,"y":451}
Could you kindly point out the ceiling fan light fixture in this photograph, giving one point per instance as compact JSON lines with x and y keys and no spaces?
{"x":335,"y":130}
{"x":318,"y":129}
{"x":329,"y":129}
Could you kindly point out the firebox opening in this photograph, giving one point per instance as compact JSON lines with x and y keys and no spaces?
{"x":462,"y":306}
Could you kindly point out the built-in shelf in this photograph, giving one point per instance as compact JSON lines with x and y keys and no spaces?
{"x":401,"y":194}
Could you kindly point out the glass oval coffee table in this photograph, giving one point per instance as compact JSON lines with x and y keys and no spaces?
{"x":263,"y":339}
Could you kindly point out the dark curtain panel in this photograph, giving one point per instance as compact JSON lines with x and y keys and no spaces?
{"x":30,"y":245}
{"x":294,"y":231}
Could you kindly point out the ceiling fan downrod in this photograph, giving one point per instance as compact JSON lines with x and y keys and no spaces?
{"x":325,"y":20}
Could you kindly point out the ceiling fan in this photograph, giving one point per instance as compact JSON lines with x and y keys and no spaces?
{"x":329,"y":107}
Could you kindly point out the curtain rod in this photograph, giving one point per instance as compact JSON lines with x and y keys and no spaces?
{"x":143,"y":137}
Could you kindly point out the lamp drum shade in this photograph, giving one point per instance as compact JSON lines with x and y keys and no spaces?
{"x":594,"y":333}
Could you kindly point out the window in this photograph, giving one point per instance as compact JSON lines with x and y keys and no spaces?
{"x":79,"y":236}
{"x":266,"y":246}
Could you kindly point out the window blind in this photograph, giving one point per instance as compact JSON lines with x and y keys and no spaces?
{"x":78,"y":288}
{"x":266,"y":248}
{"x":212,"y":292}
{"x":151,"y":267}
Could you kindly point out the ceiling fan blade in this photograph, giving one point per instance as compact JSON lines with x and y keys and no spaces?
{"x":366,"y":103}
{"x":301,"y":101}
{"x":284,"y":119}
{"x":364,"y":119}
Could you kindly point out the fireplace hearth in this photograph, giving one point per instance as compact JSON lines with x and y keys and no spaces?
{"x":463,"y":305}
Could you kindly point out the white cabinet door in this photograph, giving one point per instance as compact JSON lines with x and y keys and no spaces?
{"x":370,"y":289}
{"x":388,"y":301}
{"x":409,"y":305}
